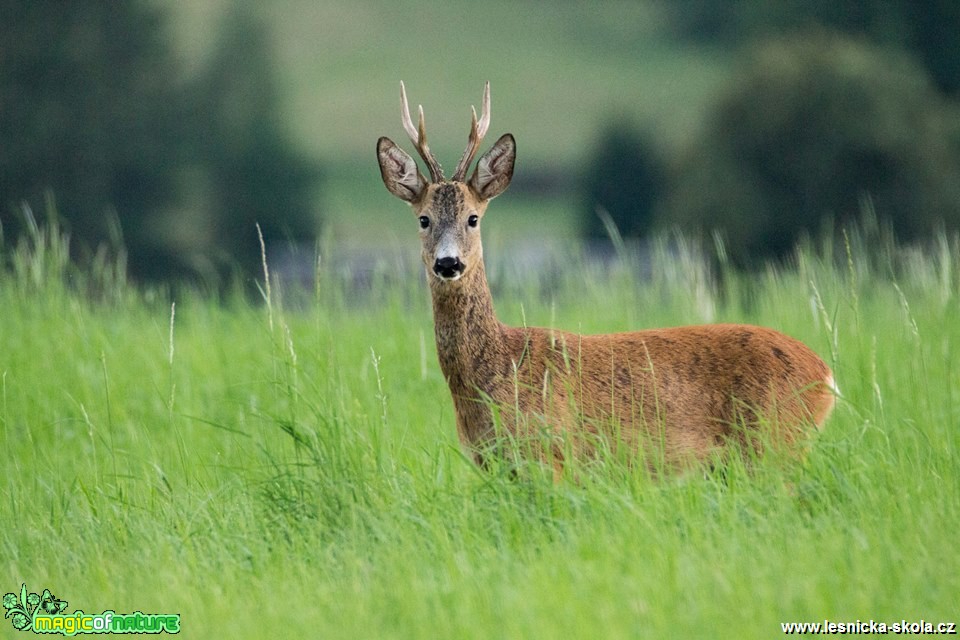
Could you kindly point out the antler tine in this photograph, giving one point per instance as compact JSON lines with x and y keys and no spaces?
{"x":477,"y":131}
{"x":418,"y":136}
{"x":485,"y":113}
{"x":405,"y":115}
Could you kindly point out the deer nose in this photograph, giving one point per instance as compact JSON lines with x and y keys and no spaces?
{"x":448,"y":267}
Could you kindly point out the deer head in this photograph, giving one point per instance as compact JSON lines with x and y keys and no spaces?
{"x":448,"y":211}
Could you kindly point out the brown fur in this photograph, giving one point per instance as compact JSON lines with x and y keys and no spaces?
{"x":679,"y":394}
{"x":672,"y":396}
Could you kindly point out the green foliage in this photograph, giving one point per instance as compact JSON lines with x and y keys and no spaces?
{"x":255,"y":175}
{"x":928,"y":28}
{"x":190,"y":458}
{"x":91,"y":113}
{"x":624,"y":179}
{"x":805,"y":133}
{"x":98,"y":112}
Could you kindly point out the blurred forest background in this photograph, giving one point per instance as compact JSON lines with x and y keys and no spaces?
{"x":166,"y":130}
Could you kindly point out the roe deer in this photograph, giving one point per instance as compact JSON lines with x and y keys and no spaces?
{"x":687,"y":392}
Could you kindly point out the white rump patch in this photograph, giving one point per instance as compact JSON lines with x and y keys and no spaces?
{"x":832,"y":384}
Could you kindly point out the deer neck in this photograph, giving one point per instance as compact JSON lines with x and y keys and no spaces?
{"x":469,"y":336}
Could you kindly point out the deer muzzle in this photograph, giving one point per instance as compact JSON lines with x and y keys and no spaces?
{"x":448,"y":268}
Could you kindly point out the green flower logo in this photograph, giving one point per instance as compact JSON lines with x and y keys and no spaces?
{"x":20,"y":621}
{"x":23,"y":607}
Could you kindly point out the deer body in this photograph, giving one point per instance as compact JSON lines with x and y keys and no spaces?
{"x":676,"y":394}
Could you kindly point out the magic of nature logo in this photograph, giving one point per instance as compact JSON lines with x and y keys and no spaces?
{"x":44,"y":613}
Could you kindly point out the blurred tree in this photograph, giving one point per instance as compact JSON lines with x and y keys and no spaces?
{"x":808,"y":128}
{"x":935,"y":36}
{"x":255,"y":175}
{"x":624,"y":178}
{"x":95,"y":110}
{"x":929,"y":28}
{"x":90,"y":111}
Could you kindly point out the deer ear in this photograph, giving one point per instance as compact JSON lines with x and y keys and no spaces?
{"x":399,"y":171}
{"x":495,"y":168}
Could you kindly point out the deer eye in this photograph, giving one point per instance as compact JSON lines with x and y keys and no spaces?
{"x":424,"y":222}
{"x":473,"y":220}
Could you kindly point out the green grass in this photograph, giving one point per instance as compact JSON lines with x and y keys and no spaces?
{"x":293,"y":470}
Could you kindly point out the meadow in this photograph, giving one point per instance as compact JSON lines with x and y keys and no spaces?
{"x":289,"y":467}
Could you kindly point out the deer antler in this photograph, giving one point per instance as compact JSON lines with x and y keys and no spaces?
{"x":477,"y":131}
{"x":418,"y":136}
